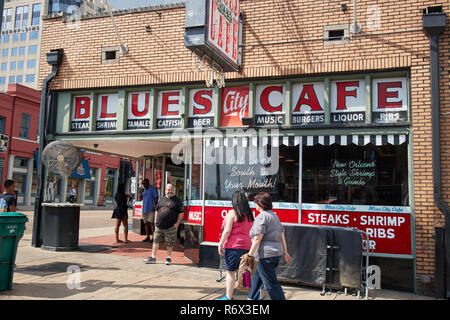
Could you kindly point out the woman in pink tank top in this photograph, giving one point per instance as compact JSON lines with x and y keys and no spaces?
{"x":235,"y":240}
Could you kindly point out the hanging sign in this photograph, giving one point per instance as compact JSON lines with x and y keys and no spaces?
{"x":390,"y":100}
{"x":81,"y":112}
{"x":107,"y":112}
{"x":223,"y":29}
{"x":307,"y":104}
{"x":139,"y":107}
{"x":348,"y":102}
{"x":201,"y":108}
{"x":169,"y":109}
{"x":270,"y":109}
{"x":235,"y":106}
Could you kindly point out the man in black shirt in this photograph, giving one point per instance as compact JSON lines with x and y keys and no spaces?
{"x":169,"y":213}
{"x":8,"y":196}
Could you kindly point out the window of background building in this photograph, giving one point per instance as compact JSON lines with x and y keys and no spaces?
{"x":25,"y":16}
{"x":34,"y":35}
{"x":357,"y":175}
{"x":36,"y":15}
{"x":7,"y":19}
{"x":4,"y":66}
{"x":19,"y":79}
{"x":12,"y":79}
{"x":2,"y":124}
{"x":4,"y":52}
{"x":13,"y":52}
{"x":29,"y":78}
{"x":24,"y":125}
{"x":15,"y":37}
{"x":20,"y":183}
{"x":110,"y":178}
{"x":18,"y":19}
{"x":32,"y":49}
{"x":21,"y":51}
{"x":6,"y":38}
{"x":61,"y":5}
{"x":2,"y":80}
{"x":31,"y":63}
{"x":20,"y":65}
{"x":23,"y":36}
{"x":89,"y":192}
{"x":13,"y":65}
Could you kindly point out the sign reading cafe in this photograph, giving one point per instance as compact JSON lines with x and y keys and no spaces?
{"x":347,"y":105}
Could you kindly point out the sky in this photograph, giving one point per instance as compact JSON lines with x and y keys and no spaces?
{"x":127,"y":4}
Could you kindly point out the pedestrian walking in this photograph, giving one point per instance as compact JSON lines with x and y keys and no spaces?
{"x":235,"y":240}
{"x":149,"y":199}
{"x":121,"y":213}
{"x":268,"y":246}
{"x":168,"y":215}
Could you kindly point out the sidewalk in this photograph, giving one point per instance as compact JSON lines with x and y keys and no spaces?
{"x":110,"y":272}
{"x":119,"y":274}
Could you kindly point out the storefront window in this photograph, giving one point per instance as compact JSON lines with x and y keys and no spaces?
{"x":358,"y":175}
{"x":251,"y":172}
{"x":196,"y":176}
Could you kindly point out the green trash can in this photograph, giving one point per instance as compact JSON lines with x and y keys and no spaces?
{"x":12,"y":227}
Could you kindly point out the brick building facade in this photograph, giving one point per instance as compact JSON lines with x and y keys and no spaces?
{"x":281,"y":39}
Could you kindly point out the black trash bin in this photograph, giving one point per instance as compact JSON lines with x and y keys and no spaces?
{"x":61,"y":226}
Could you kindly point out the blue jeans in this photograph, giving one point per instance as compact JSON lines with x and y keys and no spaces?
{"x":265,"y":274}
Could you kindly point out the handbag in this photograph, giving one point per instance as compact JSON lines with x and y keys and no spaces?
{"x":247,"y":267}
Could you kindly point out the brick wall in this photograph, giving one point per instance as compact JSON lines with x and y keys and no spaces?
{"x":159,"y":57}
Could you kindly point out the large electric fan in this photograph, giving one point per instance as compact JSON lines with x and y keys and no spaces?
{"x":61,"y":157}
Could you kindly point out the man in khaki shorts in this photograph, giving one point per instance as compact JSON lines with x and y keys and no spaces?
{"x":169,"y":213}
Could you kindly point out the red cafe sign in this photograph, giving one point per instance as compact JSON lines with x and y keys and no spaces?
{"x":235,"y":106}
{"x":223,"y":31}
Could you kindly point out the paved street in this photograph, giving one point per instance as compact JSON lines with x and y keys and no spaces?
{"x":119,"y":273}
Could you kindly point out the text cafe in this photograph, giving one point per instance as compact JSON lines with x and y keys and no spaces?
{"x":331,"y":151}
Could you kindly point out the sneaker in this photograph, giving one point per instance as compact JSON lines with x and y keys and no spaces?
{"x":149,"y":260}
{"x":168,"y":261}
{"x":146,"y":240}
{"x":224,"y":298}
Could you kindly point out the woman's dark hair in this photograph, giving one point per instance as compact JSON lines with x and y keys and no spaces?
{"x":264,"y":200}
{"x":241,"y":206}
{"x":121,"y":188}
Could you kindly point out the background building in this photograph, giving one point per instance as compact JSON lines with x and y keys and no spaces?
{"x":20,"y":40}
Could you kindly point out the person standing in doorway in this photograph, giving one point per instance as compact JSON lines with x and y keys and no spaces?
{"x":150,"y":200}
{"x":169,"y":213}
{"x":121,"y":213}
{"x":8,"y":199}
